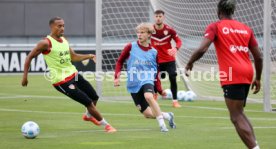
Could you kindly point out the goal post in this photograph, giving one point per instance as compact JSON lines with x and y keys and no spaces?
{"x":99,"y":44}
{"x":189,"y":18}
{"x":116,"y":20}
{"x":266,"y":55}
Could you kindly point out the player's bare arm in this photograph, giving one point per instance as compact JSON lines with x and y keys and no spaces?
{"x":40,"y":47}
{"x":198,"y":54}
{"x":258,"y":62}
{"x":75,"y":57}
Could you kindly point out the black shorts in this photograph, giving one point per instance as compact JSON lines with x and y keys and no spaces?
{"x":236,"y":91}
{"x":139,"y":98}
{"x":79,"y":90}
{"x":169,"y":67}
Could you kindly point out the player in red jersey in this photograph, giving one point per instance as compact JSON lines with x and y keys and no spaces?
{"x":161,"y":41}
{"x":233,"y":40}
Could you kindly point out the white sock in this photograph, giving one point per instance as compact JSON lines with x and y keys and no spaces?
{"x":175,"y":100}
{"x":166,"y":115}
{"x":160,"y":120}
{"x":88,"y":114}
{"x":256,"y":147}
{"x":103,"y":122}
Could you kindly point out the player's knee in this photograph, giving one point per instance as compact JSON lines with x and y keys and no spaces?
{"x":172,"y":78}
{"x":235,"y":118}
{"x":96,"y":98}
{"x":149,"y":116}
{"x":90,"y":105}
{"x":148,"y":113}
{"x":148,"y":96}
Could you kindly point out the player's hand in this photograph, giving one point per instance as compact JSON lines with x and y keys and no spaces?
{"x":93,"y":57}
{"x":188,"y":68}
{"x":163,"y":94}
{"x":172,"y":51}
{"x":24,"y":82}
{"x":256,"y":86}
{"x":117,"y":82}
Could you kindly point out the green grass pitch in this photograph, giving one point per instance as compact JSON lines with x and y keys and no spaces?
{"x":200,"y":124}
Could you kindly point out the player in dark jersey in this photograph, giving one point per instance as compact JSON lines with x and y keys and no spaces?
{"x":161,"y":41}
{"x":142,"y":76}
{"x":64,"y":76}
{"x":233,"y":40}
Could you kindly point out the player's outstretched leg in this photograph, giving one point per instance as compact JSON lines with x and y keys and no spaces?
{"x":174,"y":90}
{"x":156,"y":111}
{"x":170,"y":117}
{"x":88,"y":117}
{"x":242,"y":125}
{"x":102,"y":122}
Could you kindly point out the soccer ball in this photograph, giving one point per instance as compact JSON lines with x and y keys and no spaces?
{"x":30,"y":130}
{"x":169,"y":94}
{"x":181,"y":95}
{"x":189,"y":96}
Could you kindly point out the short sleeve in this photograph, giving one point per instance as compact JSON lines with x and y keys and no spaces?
{"x":211,"y":32}
{"x":252,"y":41}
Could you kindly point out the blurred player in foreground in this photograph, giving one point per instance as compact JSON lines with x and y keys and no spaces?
{"x":233,"y":40}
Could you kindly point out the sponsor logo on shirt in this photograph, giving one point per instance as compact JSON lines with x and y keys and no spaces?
{"x":139,"y":62}
{"x":166,"y":32}
{"x":227,"y":31}
{"x":234,"y":49}
{"x":207,"y":34}
{"x":159,"y":43}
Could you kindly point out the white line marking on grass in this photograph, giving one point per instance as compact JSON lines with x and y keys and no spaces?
{"x":101,"y":143}
{"x":219,"y":109}
{"x":257,"y":127}
{"x":114,"y":101}
{"x":40,"y":112}
{"x":208,"y":108}
{"x":227,"y":118}
{"x":66,"y":113}
{"x":263,"y":127}
{"x":12,"y":96}
{"x":119,"y":130}
{"x":32,"y":96}
{"x":125,"y":114}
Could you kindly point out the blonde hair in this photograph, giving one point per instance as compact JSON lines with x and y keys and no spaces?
{"x":147,"y":26}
